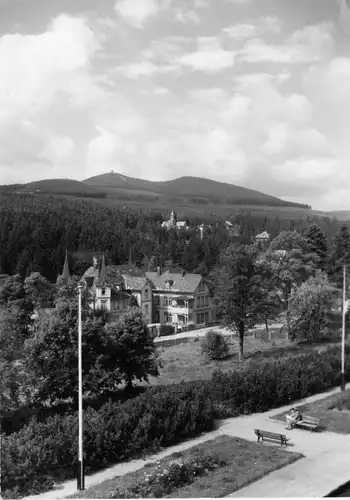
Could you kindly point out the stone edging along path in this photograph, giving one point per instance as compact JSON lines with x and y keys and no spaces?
{"x":319,"y":449}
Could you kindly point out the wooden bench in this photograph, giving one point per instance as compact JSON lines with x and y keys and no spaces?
{"x":311,"y":423}
{"x":272,"y":436}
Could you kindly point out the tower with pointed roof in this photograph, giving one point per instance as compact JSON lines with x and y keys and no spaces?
{"x":173,"y":218}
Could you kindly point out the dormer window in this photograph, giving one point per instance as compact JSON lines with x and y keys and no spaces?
{"x":169,"y":284}
{"x":103,"y":291}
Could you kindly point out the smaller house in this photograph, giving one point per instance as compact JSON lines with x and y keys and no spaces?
{"x":263,"y":237}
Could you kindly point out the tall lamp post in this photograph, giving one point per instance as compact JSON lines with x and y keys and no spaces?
{"x":344,"y":311}
{"x":80,"y":476}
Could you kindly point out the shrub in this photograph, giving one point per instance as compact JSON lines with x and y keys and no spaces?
{"x":214,"y":345}
{"x":164,"y":480}
{"x":166,"y":330}
{"x":159,"y":417}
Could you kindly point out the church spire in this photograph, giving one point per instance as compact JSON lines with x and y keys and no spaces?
{"x":65,"y":273}
{"x":102,"y":275}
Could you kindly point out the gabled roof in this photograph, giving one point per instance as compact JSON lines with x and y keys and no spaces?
{"x":184,"y":284}
{"x":263,"y":236}
{"x":135,"y":282}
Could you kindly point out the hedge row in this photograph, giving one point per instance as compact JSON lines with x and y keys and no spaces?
{"x":159,"y":417}
{"x":115,"y":432}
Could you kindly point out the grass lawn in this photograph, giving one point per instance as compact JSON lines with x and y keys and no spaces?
{"x":246,"y":462}
{"x":185,"y":362}
{"x":333,"y":411}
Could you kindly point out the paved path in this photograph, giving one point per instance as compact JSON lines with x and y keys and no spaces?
{"x":324,"y":468}
{"x":192,"y":334}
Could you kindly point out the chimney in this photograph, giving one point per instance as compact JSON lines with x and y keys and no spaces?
{"x":158,"y":270}
{"x":183,"y":273}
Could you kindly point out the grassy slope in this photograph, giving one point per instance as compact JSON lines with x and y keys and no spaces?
{"x":246,"y":462}
{"x":186,"y":361}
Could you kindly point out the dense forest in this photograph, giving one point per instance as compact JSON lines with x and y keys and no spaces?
{"x":37,"y":229}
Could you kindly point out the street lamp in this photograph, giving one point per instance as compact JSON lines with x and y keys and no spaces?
{"x":344,"y":311}
{"x":80,"y":475}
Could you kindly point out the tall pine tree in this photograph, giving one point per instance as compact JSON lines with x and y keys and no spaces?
{"x":340,"y":255}
{"x":317,"y":243}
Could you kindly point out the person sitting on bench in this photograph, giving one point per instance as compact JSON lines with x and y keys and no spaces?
{"x":292,"y":418}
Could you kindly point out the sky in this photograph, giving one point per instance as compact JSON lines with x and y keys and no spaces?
{"x":251,"y":92}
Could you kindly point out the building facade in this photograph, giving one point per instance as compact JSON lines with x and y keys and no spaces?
{"x":181,"y":299}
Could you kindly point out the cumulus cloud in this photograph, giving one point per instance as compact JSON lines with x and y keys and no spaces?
{"x":137,"y":12}
{"x":307,"y":45}
{"x":209,"y":57}
{"x":264,"y":25}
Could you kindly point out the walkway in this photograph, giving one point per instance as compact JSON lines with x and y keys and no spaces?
{"x":193,"y":334}
{"x":324,"y":468}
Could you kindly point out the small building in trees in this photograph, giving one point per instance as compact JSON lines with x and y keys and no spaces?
{"x":263,"y":239}
{"x":173,"y":223}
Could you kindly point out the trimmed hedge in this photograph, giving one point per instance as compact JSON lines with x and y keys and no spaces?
{"x":159,"y":417}
{"x":113,"y":433}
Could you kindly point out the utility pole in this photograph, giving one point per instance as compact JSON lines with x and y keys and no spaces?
{"x":80,"y":476}
{"x":345,"y":306}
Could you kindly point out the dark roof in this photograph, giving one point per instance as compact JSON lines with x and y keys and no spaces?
{"x":185,"y":284}
{"x":65,"y":273}
{"x":119,"y":294}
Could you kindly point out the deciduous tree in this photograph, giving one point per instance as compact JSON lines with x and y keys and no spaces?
{"x":310,"y":305}
{"x":239,"y":304}
{"x":135,"y":352}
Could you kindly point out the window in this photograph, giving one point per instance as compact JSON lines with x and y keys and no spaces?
{"x":198,"y":301}
{"x":202,"y":301}
{"x":202,"y":318}
{"x":206,"y":301}
{"x":157,"y":317}
{"x":206,"y":317}
{"x":168,"y":317}
{"x":104,"y":304}
{"x":198,"y":319}
{"x":156,"y":300}
{"x":146,"y":310}
{"x":201,"y":287}
{"x":190,"y":317}
{"x":146,"y":294}
{"x":103,"y":291}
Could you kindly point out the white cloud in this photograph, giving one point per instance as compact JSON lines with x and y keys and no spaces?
{"x":58,"y":148}
{"x":143,"y":68}
{"x":210,"y":57}
{"x":308,"y":45}
{"x":137,"y":12}
{"x":185,"y":16}
{"x":34,"y":67}
{"x":262,"y":26}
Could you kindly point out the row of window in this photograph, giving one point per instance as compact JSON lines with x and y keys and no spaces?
{"x":203,"y":301}
{"x":168,"y":318}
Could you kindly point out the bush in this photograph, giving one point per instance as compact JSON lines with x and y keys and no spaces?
{"x":160,"y":416}
{"x":166,"y":330}
{"x":164,"y":480}
{"x":214,"y":345}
